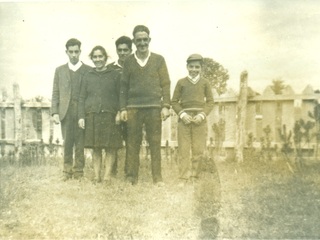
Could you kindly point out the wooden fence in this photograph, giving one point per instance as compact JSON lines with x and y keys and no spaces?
{"x":26,"y":123}
{"x":27,"y":130}
{"x":29,"y":123}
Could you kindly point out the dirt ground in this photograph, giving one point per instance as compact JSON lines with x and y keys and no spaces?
{"x":254,"y":200}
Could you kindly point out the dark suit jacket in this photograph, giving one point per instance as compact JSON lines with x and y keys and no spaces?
{"x":61,"y":92}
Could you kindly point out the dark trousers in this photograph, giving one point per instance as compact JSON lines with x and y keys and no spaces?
{"x":191,"y":147}
{"x":151,"y":118}
{"x":73,"y":139}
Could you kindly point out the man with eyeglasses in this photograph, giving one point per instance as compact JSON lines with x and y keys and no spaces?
{"x":144,"y":99}
{"x":64,"y":109}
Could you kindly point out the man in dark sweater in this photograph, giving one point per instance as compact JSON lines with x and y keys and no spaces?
{"x":144,"y":99}
{"x":192,"y":100}
{"x":124,"y":49}
{"x":64,"y":108}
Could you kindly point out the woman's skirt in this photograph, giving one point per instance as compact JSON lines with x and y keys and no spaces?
{"x":101,"y":131}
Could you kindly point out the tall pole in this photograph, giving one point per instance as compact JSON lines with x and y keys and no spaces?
{"x":241,"y":116}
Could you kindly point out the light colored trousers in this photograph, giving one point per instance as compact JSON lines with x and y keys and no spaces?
{"x":191,"y":147}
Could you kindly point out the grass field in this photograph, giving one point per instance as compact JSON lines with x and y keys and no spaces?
{"x":254,"y":200}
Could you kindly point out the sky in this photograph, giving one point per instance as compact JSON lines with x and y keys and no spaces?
{"x":270,"y":39}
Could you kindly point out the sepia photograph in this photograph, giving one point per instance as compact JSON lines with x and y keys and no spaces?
{"x":159,"y":120}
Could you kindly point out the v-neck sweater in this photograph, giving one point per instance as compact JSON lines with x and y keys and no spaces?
{"x":147,"y":86}
{"x":189,"y":96}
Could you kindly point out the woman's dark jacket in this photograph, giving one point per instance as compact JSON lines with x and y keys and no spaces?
{"x":99,"y":92}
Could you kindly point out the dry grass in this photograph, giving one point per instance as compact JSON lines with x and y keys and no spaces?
{"x":36,"y":204}
{"x":258,"y":200}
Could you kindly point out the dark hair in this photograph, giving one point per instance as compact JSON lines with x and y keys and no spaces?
{"x":140,"y":28}
{"x":104,"y":52}
{"x":124,"y":40}
{"x":73,"y":42}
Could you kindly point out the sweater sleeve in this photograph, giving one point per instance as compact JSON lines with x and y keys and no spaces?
{"x":209,"y":99}
{"x":124,"y":82}
{"x":175,"y":102}
{"x":82,"y":99}
{"x":165,"y":84}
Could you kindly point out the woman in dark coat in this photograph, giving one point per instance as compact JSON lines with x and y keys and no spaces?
{"x":99,"y":112}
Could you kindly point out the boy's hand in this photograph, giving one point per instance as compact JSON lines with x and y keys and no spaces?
{"x":81,"y":123}
{"x":197,"y":119}
{"x":165,"y":113}
{"x":187,"y":119}
{"x":124,"y":115}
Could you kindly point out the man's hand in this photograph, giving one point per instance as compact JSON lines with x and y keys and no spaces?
{"x":165,"y":113}
{"x":197,"y":119}
{"x":81,"y":123}
{"x":118,"y":118}
{"x":124,"y":115}
{"x":56,"y":118}
{"x":187,"y":119}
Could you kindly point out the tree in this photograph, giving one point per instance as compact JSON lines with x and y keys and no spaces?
{"x":216,"y":74}
{"x":277,"y":86}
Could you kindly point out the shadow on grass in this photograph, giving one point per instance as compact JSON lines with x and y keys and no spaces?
{"x":283,"y":207}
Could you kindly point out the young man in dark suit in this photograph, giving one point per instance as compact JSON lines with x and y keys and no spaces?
{"x":64,"y":108}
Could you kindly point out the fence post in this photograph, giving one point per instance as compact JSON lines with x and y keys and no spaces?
{"x":39,"y":123}
{"x":3,"y":123}
{"x":241,"y":116}
{"x":18,"y":121}
{"x":4,"y":95}
{"x":3,"y":115}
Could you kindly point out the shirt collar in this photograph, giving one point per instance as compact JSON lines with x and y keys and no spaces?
{"x":142,"y":63}
{"x":195,"y":79}
{"x":118,"y":64}
{"x":74,"y":67}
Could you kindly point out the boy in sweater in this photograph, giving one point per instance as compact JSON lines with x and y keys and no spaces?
{"x":144,"y":99}
{"x":192,"y":100}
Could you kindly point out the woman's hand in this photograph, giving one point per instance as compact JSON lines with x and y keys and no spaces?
{"x":56,"y":118}
{"x":165,"y":113}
